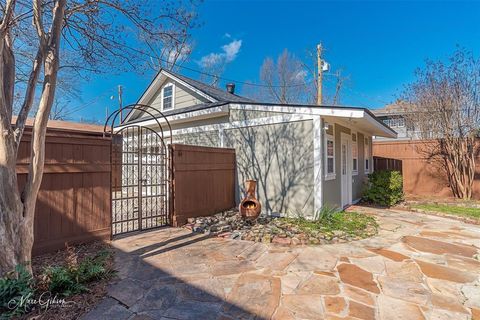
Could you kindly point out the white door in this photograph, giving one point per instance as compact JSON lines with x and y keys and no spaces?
{"x":346,"y":170}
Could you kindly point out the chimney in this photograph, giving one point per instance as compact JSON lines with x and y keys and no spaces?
{"x":231,"y":88}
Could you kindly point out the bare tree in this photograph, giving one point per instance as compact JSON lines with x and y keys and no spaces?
{"x":340,"y":81}
{"x":442,"y":106}
{"x":91,"y":36}
{"x":170,"y":53}
{"x":290,"y":79}
{"x":212,"y":71}
{"x":284,"y":80}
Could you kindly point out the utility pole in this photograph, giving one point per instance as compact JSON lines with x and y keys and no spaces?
{"x":120,"y":91}
{"x":320,"y":71}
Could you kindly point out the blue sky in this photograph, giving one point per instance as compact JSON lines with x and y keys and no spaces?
{"x":378,"y":44}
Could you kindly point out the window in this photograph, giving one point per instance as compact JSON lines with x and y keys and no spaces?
{"x":367,"y":155}
{"x":354,"y":154}
{"x":396,"y":122}
{"x":329,"y":152}
{"x":167,"y":97}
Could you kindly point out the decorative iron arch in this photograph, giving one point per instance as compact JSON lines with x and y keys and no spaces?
{"x":140,"y":172}
{"x":136,"y":106}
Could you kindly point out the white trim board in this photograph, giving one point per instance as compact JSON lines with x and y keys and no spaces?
{"x":348,"y":162}
{"x":242,"y":124}
{"x":343,"y":112}
{"x":317,"y":164}
{"x":181,"y":116}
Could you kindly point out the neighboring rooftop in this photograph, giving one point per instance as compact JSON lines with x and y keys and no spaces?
{"x":65,"y":125}
{"x":398,"y":107}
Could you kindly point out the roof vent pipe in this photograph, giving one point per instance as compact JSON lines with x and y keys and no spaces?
{"x":231,"y":88}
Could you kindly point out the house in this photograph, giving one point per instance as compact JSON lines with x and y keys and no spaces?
{"x":393,"y":116}
{"x":302,"y":156}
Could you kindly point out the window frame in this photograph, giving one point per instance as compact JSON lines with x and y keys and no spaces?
{"x":354,"y":154}
{"x":173,"y":96}
{"x":329,"y":137}
{"x":395,"y":122}
{"x":367,"y":155}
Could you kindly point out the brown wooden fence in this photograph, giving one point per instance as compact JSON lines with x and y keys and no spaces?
{"x":421,"y":176}
{"x":203,"y":181}
{"x":73,"y":203}
{"x":380,"y":163}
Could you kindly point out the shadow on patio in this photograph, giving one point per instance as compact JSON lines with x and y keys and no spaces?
{"x":167,"y":274}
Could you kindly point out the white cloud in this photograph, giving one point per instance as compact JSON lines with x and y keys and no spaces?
{"x":231,"y":50}
{"x":228,"y":54}
{"x":211,"y":59}
{"x":227,"y":35}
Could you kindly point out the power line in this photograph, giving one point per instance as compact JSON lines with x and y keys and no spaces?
{"x":92,"y":101}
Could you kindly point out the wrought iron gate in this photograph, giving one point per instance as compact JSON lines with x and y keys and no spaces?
{"x":140,"y":175}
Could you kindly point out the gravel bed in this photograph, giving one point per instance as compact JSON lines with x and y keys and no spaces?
{"x":229,"y":224}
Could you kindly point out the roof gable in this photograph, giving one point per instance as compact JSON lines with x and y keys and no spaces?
{"x":207,"y":92}
{"x":216,"y":93}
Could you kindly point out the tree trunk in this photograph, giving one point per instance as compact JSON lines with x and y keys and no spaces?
{"x":11,"y":208}
{"x":459,"y":159}
{"x":17,"y":210}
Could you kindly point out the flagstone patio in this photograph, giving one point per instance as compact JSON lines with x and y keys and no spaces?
{"x":418,"y":267}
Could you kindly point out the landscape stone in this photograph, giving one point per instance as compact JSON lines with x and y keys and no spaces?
{"x":260,"y":295}
{"x":127,"y":291}
{"x":390,"y":308}
{"x":318,"y":284}
{"x":405,"y":290}
{"x":361,"y":311}
{"x":265,"y":229}
{"x":438,"y":247}
{"x":359,"y":295}
{"x":448,"y":303}
{"x":334,"y":305}
{"x":472,"y":294}
{"x":356,"y":276}
{"x":108,"y":309}
{"x":304,"y":306}
{"x":441,"y":272}
{"x":395,"y":256}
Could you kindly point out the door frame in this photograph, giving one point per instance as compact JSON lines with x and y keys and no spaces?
{"x":347,"y":139}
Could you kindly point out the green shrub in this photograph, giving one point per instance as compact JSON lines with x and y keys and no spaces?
{"x":331,"y":219}
{"x":325,"y":213}
{"x":72,"y":279}
{"x":384,"y":188}
{"x":15,"y":290}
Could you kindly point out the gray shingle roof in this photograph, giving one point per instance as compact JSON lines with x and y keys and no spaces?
{"x":216,"y":93}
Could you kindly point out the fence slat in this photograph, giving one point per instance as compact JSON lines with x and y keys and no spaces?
{"x":422,"y":175}
{"x":204,"y":181}
{"x":73,"y":204}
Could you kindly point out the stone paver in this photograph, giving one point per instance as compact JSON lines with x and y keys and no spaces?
{"x":418,"y":267}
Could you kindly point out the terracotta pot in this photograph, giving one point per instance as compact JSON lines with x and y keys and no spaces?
{"x":250,"y":207}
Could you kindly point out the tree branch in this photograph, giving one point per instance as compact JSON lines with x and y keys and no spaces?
{"x":29,"y":96}
{"x":37,"y":153}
